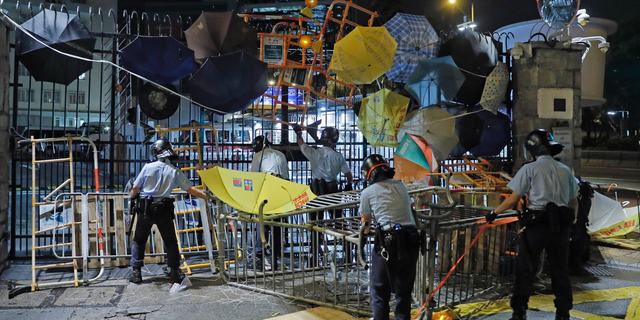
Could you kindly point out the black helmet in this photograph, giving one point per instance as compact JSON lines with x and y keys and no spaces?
{"x":540,"y":142}
{"x":259,"y":143}
{"x":162,"y":149}
{"x":329,"y":135}
{"x":376,"y":167}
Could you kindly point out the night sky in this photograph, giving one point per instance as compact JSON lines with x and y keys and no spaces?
{"x":493,"y":14}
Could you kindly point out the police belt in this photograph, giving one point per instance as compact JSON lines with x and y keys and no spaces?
{"x":553,"y":216}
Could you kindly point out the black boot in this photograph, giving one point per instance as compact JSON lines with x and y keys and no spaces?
{"x":136,"y":276}
{"x":176,"y":275}
{"x":562,"y":315}
{"x":519,"y":314}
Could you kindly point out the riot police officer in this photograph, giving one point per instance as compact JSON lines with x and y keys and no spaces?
{"x":152,"y":191}
{"x":326,"y":163}
{"x":397,"y":242}
{"x":268,"y":160}
{"x":273,"y":162}
{"x":553,"y":204}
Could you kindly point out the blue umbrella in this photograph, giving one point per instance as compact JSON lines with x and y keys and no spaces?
{"x":435,"y":80}
{"x":229,"y":83}
{"x":496,"y":134}
{"x":417,"y":40}
{"x":162,"y":60}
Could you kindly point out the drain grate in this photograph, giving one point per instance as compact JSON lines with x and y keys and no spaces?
{"x":599,"y":271}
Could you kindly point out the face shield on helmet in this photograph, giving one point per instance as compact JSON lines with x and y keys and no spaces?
{"x":162,"y":149}
{"x":375,"y":167}
{"x":540,"y":142}
{"x":259,"y":143}
{"x":329,"y":136}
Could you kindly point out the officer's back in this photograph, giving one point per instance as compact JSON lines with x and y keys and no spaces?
{"x":157,"y":179}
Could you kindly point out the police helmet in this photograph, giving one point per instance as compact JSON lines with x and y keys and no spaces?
{"x":259,"y":143}
{"x":376,"y":167}
{"x":540,"y":142}
{"x":330,"y":135}
{"x":162,"y":149}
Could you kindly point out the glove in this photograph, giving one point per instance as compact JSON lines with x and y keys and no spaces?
{"x":297,"y":129}
{"x":490,"y":217}
{"x":348,"y":187}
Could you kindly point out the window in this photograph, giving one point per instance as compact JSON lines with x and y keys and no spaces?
{"x":71,"y":122}
{"x":57,"y":122}
{"x":82,"y":121}
{"x":76,"y":98}
{"x":51,"y":97}
{"x":82,"y":76}
{"x":26,"y":96}
{"x":22,"y":70}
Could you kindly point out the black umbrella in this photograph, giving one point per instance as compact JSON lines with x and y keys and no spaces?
{"x":63,"y":32}
{"x":216,"y":33}
{"x":476,"y":56}
{"x":158,"y":103}
{"x":469,"y":129}
{"x":229,"y":83}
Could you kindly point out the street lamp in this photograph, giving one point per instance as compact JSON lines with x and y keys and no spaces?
{"x":464,"y":13}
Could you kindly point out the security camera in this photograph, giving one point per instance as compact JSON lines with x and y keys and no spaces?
{"x":583,"y":17}
{"x":604,"y":47}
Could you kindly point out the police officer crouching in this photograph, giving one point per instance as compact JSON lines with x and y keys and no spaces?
{"x":397,"y":242}
{"x":553,"y":205}
{"x":151,"y":193}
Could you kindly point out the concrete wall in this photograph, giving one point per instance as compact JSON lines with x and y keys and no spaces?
{"x":4,"y":145}
{"x":547,"y":67}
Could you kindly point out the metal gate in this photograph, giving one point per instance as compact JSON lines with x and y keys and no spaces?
{"x":98,"y":104}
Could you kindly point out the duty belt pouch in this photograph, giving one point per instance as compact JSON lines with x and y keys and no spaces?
{"x":400,"y":241}
{"x":531,"y":217}
{"x":553,"y":216}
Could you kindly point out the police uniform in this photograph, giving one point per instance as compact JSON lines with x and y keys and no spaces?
{"x":155,"y":206}
{"x":270,"y":161}
{"x":273,"y":162}
{"x":393,"y":265}
{"x":550,"y":186}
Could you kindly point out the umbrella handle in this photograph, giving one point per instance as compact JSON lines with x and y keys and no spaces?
{"x":265,"y":244}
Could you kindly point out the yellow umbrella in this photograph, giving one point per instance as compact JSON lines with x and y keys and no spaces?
{"x":245,"y":191}
{"x":382,"y":116}
{"x":363,"y":55}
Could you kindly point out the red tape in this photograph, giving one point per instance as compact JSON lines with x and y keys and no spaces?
{"x":482,"y":228}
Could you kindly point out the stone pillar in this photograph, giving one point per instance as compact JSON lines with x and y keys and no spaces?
{"x":5,"y":154}
{"x":543,"y":67}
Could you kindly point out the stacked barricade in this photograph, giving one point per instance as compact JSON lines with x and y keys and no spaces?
{"x":318,"y":261}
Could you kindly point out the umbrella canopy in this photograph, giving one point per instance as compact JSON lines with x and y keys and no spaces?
{"x":363,"y":55}
{"x":476,"y":55}
{"x":607,"y":218}
{"x":495,"y":88}
{"x":414,"y":160}
{"x":496,"y":133}
{"x":63,"y":32}
{"x":245,"y":191}
{"x":229,"y":83}
{"x":216,"y":33}
{"x":381,"y":116}
{"x":417,"y":40}
{"x":162,"y":60}
{"x":468,"y":128}
{"x":435,"y":80}
{"x":435,"y":126}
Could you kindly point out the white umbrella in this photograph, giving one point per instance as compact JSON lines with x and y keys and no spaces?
{"x":436,"y":126}
{"x":495,"y":88}
{"x":608,"y":219}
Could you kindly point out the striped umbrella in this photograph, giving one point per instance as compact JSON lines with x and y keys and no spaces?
{"x":417,"y":40}
{"x":414,"y":160}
